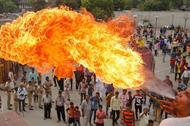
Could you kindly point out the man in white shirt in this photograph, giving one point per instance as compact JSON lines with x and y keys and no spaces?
{"x":179,"y":108}
{"x":47,"y":100}
{"x":86,"y":108}
{"x":21,"y":96}
{"x":115,"y":107}
{"x":185,"y":76}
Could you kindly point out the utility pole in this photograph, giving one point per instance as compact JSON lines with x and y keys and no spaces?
{"x":156,"y":23}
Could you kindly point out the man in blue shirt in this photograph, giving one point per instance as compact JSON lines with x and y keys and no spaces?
{"x":34,"y":75}
{"x":95,"y":102}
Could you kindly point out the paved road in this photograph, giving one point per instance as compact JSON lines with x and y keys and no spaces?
{"x":35,"y":117}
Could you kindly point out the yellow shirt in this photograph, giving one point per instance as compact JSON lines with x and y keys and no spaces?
{"x":141,"y":43}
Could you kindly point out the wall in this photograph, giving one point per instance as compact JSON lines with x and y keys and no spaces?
{"x":164,"y":17}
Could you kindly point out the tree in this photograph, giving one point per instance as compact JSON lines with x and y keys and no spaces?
{"x":101,"y":9}
{"x":7,"y":6}
{"x":120,"y":4}
{"x":75,"y":4}
{"x":154,"y":5}
{"x":38,"y":4}
{"x":176,"y":3}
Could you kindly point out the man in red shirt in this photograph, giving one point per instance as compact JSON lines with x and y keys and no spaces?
{"x":172,"y":64}
{"x":168,"y":81}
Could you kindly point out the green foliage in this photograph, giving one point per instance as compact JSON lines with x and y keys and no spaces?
{"x":38,"y":4}
{"x":176,"y":3}
{"x":101,"y":9}
{"x":75,"y":4}
{"x":7,"y":6}
{"x":129,"y":4}
{"x":120,"y":4}
{"x":154,"y":5}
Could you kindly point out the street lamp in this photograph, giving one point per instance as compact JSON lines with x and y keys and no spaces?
{"x":185,"y":18}
{"x":156,"y":23}
{"x":135,"y":18}
{"x":172,"y":19}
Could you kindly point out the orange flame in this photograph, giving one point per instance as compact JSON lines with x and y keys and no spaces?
{"x":60,"y":38}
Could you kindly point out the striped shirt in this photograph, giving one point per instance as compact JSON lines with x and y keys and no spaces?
{"x":128,"y":118}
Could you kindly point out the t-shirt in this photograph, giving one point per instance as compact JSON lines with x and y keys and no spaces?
{"x":86,"y":107}
{"x":21,"y":93}
{"x":128,"y":117}
{"x":100,"y":116}
{"x":138,"y":99}
{"x":176,"y":122}
{"x":123,"y":99}
{"x":33,"y":75}
{"x":71,"y":112}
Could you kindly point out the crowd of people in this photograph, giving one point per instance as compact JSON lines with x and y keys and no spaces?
{"x":124,"y":107}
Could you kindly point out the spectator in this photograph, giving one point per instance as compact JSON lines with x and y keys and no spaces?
{"x":95,"y":102}
{"x":67,"y":84}
{"x":138,"y":103}
{"x":47,"y":100}
{"x":177,"y":71}
{"x":115,"y":107}
{"x":123,"y":98}
{"x":108,"y":100}
{"x":144,"y":117}
{"x":172,"y":64}
{"x":77,"y":116}
{"x":90,"y":88}
{"x":86,"y":110}
{"x":128,"y":116}
{"x":71,"y":114}
{"x":109,"y":88}
{"x":185,"y":76}
{"x":21,"y":96}
{"x":130,"y":98}
{"x":82,"y":89}
{"x":168,"y":81}
{"x":100,"y":116}
{"x":59,"y":102}
{"x":34,"y":75}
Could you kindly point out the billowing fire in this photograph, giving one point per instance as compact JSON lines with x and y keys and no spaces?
{"x":60,"y":38}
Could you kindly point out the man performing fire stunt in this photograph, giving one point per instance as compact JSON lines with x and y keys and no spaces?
{"x":179,"y":108}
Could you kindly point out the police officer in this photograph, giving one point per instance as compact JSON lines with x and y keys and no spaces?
{"x":30,"y":90}
{"x":9,"y":86}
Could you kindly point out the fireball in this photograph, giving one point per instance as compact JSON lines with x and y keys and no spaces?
{"x":60,"y":38}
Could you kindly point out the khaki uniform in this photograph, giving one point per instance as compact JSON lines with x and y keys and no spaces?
{"x":40,"y":94}
{"x":0,"y":104}
{"x":35,"y":94}
{"x":47,"y":87}
{"x":30,"y":95}
{"x":8,"y":89}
